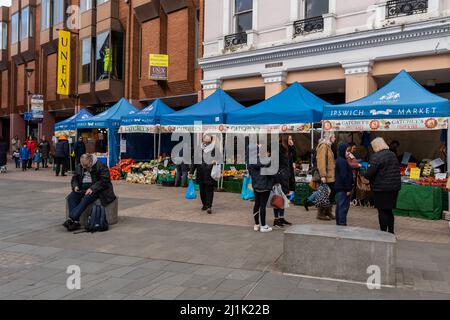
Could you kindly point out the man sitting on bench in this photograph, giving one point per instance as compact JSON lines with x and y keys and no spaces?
{"x":90,"y":182}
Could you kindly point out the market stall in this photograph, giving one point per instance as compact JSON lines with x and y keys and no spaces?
{"x":101,"y":131}
{"x":140,"y":131}
{"x":68,"y":127}
{"x":403,"y":107}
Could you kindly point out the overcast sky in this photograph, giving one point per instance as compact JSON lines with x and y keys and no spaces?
{"x":5,"y":2}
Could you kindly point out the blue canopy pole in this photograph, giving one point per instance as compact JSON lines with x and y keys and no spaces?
{"x":159,"y":144}
{"x":312,"y":143}
{"x":154,"y":146}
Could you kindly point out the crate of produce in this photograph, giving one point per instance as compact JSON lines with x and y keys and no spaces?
{"x":302,"y":191}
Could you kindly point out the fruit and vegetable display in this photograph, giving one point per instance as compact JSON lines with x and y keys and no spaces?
{"x":121,"y":169}
{"x":146,"y":177}
{"x":234,"y":174}
{"x":433,"y":182}
{"x":151,"y":172}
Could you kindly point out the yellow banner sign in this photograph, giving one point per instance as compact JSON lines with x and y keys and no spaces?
{"x":63,"y":63}
{"x":158,"y":67}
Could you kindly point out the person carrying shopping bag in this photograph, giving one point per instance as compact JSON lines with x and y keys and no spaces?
{"x":282,"y":177}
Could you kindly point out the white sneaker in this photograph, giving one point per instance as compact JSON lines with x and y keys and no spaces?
{"x":265,"y":228}
{"x":256,"y":227}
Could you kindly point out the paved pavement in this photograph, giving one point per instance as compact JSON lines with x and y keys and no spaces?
{"x":165,"y":248}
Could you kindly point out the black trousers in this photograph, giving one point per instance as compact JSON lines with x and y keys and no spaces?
{"x":29,"y":163}
{"x":44,"y":162}
{"x":259,"y":210}
{"x":60,"y":162}
{"x":206,"y":194}
{"x":24,"y":165}
{"x":333,"y":192}
{"x":386,"y":219}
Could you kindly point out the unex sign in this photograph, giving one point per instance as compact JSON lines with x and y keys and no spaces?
{"x":63,"y":63}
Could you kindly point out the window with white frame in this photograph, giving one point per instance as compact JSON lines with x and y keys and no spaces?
{"x":26,"y":27}
{"x":15,"y":28}
{"x":3,"y":35}
{"x":316,"y":8}
{"x":243,"y":11}
{"x":59,"y":7}
{"x":86,"y":5}
{"x":46,"y":11}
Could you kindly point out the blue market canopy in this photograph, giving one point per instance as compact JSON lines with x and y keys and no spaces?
{"x":145,"y":119}
{"x":294,"y":105}
{"x":71,"y":123}
{"x":109,"y":118}
{"x":401,"y":98}
{"x":210,"y":111}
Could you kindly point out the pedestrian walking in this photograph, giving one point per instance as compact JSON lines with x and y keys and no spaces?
{"x":16,"y":158}
{"x":326,"y":167}
{"x":343,"y":185}
{"x":262,"y":185}
{"x":203,"y":174}
{"x":282,"y":177}
{"x":37,"y":158}
{"x":292,"y":158}
{"x":61,"y":155}
{"x":44,"y":146}
{"x":3,"y":154}
{"x":384,"y":176}
{"x":24,"y":156}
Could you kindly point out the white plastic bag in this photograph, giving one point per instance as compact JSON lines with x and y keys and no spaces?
{"x":277,"y":190}
{"x":216,"y":172}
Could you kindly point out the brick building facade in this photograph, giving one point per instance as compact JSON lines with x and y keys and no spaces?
{"x":131,"y":30}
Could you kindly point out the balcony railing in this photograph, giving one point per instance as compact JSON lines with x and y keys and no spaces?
{"x":309,"y":25}
{"x":236,"y":39}
{"x":399,"y":8}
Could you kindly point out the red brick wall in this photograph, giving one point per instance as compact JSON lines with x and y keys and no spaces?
{"x":52,"y":64}
{"x":20,"y":85}
{"x":5,"y":89}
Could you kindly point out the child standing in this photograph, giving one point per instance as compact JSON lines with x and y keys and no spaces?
{"x":16,"y":158}
{"x":24,"y":156}
{"x":37,"y":158}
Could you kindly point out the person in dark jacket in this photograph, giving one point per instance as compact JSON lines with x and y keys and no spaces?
{"x":282,"y":177}
{"x":79,"y":148}
{"x":3,"y":151}
{"x":203,"y":175}
{"x":24,"y":156}
{"x":262,"y":185}
{"x":292,"y":158}
{"x":343,"y":185}
{"x":44,"y":146}
{"x":90,"y":182}
{"x":61,"y":155}
{"x":384,"y":176}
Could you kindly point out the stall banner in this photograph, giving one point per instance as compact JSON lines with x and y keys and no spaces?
{"x":158,"y":67}
{"x":66,"y":133}
{"x":386,"y":124}
{"x":282,"y":128}
{"x":37,"y":107}
{"x":212,"y":128}
{"x":141,"y":128}
{"x":63,"y":63}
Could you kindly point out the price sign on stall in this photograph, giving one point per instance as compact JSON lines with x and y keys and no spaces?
{"x":415,"y":173}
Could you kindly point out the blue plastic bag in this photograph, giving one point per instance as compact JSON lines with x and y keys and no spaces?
{"x":244,"y":188}
{"x":191,"y":194}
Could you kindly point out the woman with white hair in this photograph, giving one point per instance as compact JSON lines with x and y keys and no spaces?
{"x":385,"y":179}
{"x":326,"y":168}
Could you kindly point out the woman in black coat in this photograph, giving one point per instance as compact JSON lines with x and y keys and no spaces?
{"x":385,"y":179}
{"x":283,"y":177}
{"x":3,"y":152}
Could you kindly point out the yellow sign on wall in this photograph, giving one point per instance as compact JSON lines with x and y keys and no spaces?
{"x":63,"y":63}
{"x":158,"y":67}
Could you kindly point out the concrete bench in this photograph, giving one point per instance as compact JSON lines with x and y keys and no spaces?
{"x":339,"y":252}
{"x":112,"y":212}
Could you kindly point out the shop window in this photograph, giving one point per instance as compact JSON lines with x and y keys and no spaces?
{"x":316,"y":8}
{"x":58,"y":11}
{"x":243,"y":11}
{"x":86,"y":60}
{"x":26,"y":25}
{"x":15,"y":28}
{"x":46,"y":14}
{"x":109,"y":55}
{"x":86,"y":5}
{"x":99,"y":2}
{"x":3,"y":35}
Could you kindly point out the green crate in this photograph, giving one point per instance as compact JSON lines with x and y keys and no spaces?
{"x":233,"y":186}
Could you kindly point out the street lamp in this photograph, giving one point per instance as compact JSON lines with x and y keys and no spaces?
{"x":29,"y":72}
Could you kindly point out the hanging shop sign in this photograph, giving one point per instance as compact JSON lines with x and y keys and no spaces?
{"x":280,"y":128}
{"x":37,"y":107}
{"x":63,"y":63}
{"x":386,"y":124}
{"x":158,"y":67}
{"x":138,"y":128}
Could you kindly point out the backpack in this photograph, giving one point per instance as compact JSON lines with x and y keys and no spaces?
{"x":97,"y":219}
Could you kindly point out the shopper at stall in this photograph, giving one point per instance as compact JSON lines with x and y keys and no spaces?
{"x":384,"y":176}
{"x":44,"y":145}
{"x":292,"y":158}
{"x":282,"y":177}
{"x":61,"y":155}
{"x":343,"y":185}
{"x":203,"y":174}
{"x":90,"y":182}
{"x":326,"y":167}
{"x":100,"y":144}
{"x":32,"y":145}
{"x":24,"y":156}
{"x":262,"y":185}
{"x":79,"y":148}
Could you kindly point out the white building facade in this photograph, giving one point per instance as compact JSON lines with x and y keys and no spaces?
{"x":345,"y":49}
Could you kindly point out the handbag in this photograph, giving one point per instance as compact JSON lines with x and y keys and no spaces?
{"x":277,"y":198}
{"x":216,"y":172}
{"x":277,"y":202}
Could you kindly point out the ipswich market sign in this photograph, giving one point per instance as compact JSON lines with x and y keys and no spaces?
{"x":63,"y":63}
